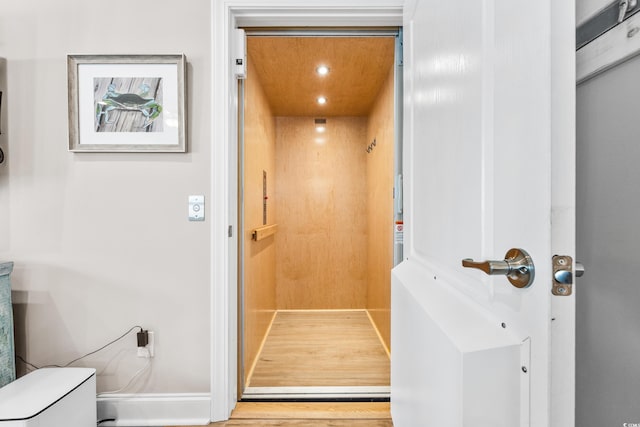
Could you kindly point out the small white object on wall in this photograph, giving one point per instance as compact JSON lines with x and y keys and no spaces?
{"x":240,"y":54}
{"x":196,"y":208}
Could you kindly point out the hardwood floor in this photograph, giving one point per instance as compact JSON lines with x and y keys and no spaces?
{"x":312,"y":410}
{"x":309,"y":415}
{"x":314,"y":349}
{"x":305,"y":423}
{"x":321,"y":348}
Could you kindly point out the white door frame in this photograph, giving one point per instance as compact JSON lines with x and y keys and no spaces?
{"x":227,"y":15}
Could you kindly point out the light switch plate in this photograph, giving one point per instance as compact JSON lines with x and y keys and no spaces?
{"x":196,"y":208}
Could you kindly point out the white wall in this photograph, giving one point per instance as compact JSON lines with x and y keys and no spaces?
{"x":101,"y":242}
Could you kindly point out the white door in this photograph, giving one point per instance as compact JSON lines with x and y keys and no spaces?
{"x":489,"y":166}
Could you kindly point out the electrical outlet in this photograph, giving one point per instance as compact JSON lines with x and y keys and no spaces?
{"x":148,"y":350}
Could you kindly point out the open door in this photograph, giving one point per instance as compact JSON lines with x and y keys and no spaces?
{"x":489,"y":166}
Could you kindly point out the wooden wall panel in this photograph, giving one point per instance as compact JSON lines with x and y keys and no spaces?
{"x":380,"y":171}
{"x":259,"y":257}
{"x":321,"y":204}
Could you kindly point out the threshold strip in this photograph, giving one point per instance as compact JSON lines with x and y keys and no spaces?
{"x":356,"y":393}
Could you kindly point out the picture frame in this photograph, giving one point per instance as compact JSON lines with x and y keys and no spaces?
{"x":127,"y":103}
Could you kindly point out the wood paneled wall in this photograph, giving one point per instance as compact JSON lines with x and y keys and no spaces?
{"x":322,"y":213}
{"x":333,"y":203}
{"x":259,"y":257}
{"x":380,"y":181}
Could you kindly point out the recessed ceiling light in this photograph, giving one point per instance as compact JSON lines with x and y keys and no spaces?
{"x":322,"y":70}
{"x":322,"y":100}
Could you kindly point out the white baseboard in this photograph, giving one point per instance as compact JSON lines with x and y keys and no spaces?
{"x":142,"y":410}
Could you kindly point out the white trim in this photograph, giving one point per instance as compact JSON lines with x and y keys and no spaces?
{"x":354,"y":392}
{"x":223,"y":367}
{"x":608,"y":50}
{"x":155,"y":409}
{"x":563,"y":211}
{"x":225,"y":15}
{"x":330,"y":13}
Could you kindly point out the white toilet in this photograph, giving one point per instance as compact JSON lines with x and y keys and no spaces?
{"x":55,"y":397}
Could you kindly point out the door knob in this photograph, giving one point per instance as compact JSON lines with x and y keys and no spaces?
{"x":517,"y":266}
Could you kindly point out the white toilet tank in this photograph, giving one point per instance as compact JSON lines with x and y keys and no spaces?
{"x":50,"y":397}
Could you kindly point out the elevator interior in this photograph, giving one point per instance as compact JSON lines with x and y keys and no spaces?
{"x":317,"y":214}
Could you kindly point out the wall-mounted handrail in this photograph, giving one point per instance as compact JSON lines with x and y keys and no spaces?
{"x":264,"y":232}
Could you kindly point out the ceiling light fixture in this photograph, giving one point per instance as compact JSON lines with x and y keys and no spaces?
{"x":321,"y":100}
{"x":322,"y":70}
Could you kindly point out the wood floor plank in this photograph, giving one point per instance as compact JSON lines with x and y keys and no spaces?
{"x":321,"y":348}
{"x":299,"y":414}
{"x":306,"y":423}
{"x":312,"y":410}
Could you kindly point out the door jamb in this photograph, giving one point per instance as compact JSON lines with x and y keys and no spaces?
{"x":370,"y":31}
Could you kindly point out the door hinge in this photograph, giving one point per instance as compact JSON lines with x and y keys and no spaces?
{"x":230,"y":231}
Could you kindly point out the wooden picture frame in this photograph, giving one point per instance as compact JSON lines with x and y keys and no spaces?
{"x":127,"y":103}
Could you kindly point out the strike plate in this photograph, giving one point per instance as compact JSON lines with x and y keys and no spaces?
{"x":562,"y":275}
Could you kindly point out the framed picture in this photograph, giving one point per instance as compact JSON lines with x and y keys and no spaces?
{"x":128,"y":103}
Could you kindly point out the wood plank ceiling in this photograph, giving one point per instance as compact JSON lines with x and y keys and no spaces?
{"x":286,"y":69}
